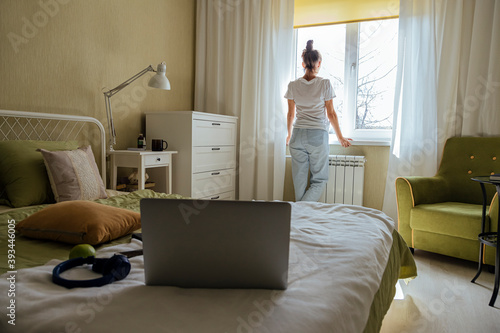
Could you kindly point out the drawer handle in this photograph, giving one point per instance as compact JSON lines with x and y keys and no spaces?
{"x":158,"y":159}
{"x":215,"y":173}
{"x":215,"y":148}
{"x":215,"y":124}
{"x":215,"y":198}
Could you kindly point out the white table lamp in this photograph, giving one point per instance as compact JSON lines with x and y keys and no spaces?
{"x":159,"y":81}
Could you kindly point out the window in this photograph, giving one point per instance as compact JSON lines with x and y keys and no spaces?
{"x":360,"y":59}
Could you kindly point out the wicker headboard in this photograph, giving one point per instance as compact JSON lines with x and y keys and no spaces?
{"x":22,"y":125}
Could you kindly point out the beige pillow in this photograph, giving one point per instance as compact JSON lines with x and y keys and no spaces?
{"x":73,"y":174}
{"x":80,"y":222}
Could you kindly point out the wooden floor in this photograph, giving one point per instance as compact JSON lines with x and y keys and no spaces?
{"x":442,"y":299}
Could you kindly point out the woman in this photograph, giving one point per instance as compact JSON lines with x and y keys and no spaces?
{"x":312,"y":97}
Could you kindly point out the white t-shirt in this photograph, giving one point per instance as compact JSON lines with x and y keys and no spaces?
{"x":310,"y":98}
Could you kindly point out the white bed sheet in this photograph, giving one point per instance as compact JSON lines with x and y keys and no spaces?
{"x":338,"y":254}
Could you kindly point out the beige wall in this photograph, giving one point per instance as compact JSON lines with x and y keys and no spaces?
{"x":377,"y":160}
{"x":57,"y":56}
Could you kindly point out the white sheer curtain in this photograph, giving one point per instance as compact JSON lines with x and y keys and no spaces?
{"x":244,"y":52}
{"x":448,"y":83}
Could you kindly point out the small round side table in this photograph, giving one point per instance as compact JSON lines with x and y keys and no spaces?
{"x":489,"y":238}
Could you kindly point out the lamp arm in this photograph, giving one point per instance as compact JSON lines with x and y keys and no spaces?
{"x":108,"y":94}
{"x":122,"y":85}
{"x":111,"y":125}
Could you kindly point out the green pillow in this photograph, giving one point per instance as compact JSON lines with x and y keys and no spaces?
{"x":23,"y":177}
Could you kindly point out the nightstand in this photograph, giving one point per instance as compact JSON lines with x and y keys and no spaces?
{"x":142,"y":160}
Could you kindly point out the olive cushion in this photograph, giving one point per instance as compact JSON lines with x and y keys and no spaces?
{"x":23,"y":177}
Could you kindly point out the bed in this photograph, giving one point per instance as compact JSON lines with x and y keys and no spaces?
{"x":344,"y":264}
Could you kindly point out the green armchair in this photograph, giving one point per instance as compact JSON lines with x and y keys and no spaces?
{"x":442,"y":214}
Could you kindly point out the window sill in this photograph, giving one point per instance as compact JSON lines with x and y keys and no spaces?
{"x":381,"y":143}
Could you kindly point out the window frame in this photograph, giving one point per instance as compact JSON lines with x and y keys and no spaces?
{"x":380,"y":137}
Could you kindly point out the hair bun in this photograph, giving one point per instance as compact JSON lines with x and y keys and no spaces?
{"x":309,"y":45}
{"x":310,"y":56}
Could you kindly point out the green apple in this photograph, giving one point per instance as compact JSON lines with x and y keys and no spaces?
{"x":82,"y":250}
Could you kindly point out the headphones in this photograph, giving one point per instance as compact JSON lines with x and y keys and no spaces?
{"x":113,"y":269}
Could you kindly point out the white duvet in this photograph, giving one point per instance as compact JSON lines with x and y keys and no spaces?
{"x":338,"y":254}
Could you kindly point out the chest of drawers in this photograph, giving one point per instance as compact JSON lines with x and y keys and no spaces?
{"x":205,"y":166}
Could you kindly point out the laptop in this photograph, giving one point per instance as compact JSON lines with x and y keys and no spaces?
{"x":216,"y":243}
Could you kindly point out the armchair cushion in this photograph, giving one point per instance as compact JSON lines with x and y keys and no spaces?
{"x":448,"y":218}
{"x":466,"y":157}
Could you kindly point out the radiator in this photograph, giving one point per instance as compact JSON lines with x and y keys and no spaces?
{"x":345,"y":180}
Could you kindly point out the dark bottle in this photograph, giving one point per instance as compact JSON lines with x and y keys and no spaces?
{"x":141,"y":141}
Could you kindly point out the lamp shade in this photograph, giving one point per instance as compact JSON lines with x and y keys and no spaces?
{"x":159,"y":80}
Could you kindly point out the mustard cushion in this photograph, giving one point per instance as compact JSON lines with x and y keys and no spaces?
{"x":80,"y":222}
{"x":23,"y":178}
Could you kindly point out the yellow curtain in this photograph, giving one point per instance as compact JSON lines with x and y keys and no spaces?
{"x":321,"y":12}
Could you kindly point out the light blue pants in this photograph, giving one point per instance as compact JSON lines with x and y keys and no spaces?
{"x":309,"y":149}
